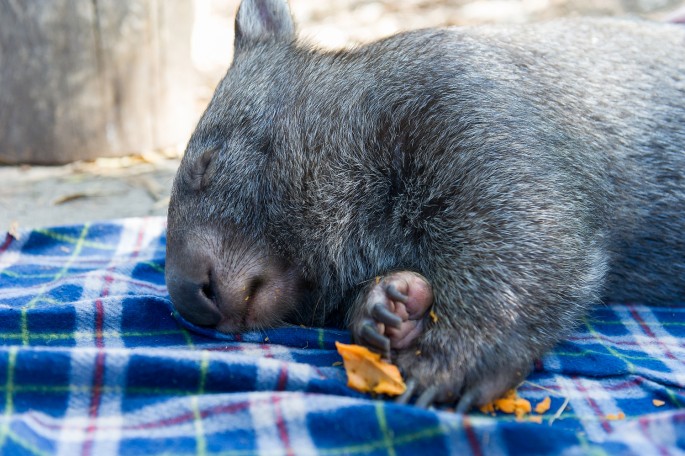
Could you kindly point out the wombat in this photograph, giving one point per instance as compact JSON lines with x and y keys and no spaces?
{"x":458,"y":198}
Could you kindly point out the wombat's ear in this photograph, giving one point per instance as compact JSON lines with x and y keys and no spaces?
{"x":200,"y":171}
{"x":262,"y":20}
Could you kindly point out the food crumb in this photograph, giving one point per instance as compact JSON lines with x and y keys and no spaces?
{"x":433,"y":316}
{"x":658,"y":403}
{"x":543,"y":405}
{"x":488,"y":408}
{"x":616,"y":416}
{"x":378,"y":280}
{"x":509,"y":403}
{"x":535,"y":419}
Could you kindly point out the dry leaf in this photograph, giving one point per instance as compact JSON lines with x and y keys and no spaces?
{"x":71,"y":197}
{"x":366,"y":372}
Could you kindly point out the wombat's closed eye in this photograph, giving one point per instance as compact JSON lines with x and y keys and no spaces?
{"x":498,"y":180}
{"x":200,"y":172}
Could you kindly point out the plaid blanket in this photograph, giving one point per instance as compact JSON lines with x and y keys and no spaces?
{"x":94,"y":361}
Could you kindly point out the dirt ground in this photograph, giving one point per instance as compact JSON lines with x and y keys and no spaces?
{"x":138,"y":186}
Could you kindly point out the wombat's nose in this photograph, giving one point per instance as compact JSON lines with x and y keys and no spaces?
{"x":233,"y":294}
{"x":194,"y":301}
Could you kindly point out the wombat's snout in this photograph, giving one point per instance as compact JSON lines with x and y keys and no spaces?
{"x":231,"y":290}
{"x":193,"y":299}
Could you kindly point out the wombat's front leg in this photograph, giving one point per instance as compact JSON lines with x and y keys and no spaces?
{"x":442,"y":360}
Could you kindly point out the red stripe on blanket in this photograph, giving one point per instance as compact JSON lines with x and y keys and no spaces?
{"x":176,"y":420}
{"x":281,"y":425}
{"x":99,"y":374}
{"x":644,"y":428}
{"x":190,"y":416}
{"x":647,"y":330}
{"x":5,"y":245}
{"x":266,"y":350}
{"x":593,"y":404}
{"x":471,"y":437}
{"x":100,"y":312}
{"x":282,"y":378}
{"x":624,"y":385}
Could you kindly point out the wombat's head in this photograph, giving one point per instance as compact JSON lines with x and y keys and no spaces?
{"x":223,"y":269}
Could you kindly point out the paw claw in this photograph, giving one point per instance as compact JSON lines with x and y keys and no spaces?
{"x":396,"y":294}
{"x":383,"y":315}
{"x":427,"y":398}
{"x":373,"y":339}
{"x":408,"y":393}
{"x":466,"y":401}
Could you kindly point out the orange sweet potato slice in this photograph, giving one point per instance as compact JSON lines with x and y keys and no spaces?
{"x":366,"y":372}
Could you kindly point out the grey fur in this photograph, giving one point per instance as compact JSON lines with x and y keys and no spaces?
{"x":528,"y":172}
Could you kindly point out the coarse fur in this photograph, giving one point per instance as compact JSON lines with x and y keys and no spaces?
{"x":527,"y":172}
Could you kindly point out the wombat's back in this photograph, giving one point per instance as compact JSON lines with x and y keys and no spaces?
{"x":602,"y":101}
{"x":625,"y":98}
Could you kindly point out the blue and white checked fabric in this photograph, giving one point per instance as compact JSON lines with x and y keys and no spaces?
{"x":93,"y":361}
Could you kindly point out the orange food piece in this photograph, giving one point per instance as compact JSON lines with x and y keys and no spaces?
{"x":543,"y":405}
{"x":535,"y":419}
{"x":488,"y":408}
{"x":366,"y":372}
{"x":616,"y":416}
{"x":657,"y":402}
{"x":509,"y":403}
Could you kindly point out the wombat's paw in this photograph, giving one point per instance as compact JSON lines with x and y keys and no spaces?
{"x":392,"y":312}
{"x":435,"y":375}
